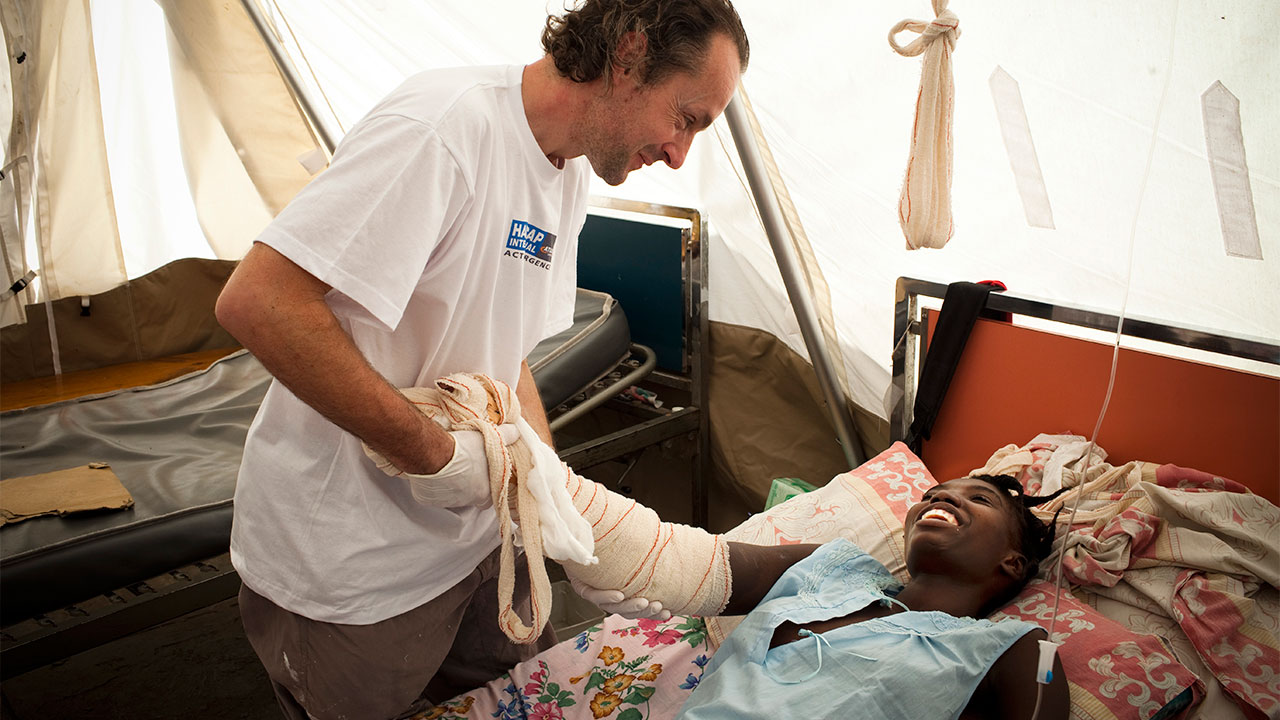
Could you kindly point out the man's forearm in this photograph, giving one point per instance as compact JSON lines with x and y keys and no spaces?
{"x":277,"y":311}
{"x":531,"y":404}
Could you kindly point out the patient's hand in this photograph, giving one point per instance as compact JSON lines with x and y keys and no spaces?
{"x":613,"y":601}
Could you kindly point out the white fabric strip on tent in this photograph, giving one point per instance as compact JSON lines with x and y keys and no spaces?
{"x":1021,"y":148}
{"x":836,"y":105}
{"x":1230,"y":168}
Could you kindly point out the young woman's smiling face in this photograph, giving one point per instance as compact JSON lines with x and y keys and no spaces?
{"x":964,"y":527}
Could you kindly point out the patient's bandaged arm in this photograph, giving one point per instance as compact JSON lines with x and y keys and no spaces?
{"x":685,"y":568}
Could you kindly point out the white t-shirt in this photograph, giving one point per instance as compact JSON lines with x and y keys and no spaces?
{"x":450,"y":242}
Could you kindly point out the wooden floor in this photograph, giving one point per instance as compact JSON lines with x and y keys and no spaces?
{"x":40,"y":391}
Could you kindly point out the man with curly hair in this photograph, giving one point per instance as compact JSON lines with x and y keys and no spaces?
{"x":442,"y":238}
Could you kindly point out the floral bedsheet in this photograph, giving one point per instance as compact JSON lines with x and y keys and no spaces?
{"x":620,"y":669}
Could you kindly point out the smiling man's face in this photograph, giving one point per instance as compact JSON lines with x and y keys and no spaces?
{"x":637,"y":125}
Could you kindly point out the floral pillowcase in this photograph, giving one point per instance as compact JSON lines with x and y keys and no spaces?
{"x":1113,"y":672}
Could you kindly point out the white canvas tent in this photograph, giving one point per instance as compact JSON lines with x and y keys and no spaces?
{"x":161,"y":130}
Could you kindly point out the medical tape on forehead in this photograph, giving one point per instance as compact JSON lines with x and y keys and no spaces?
{"x":685,"y":568}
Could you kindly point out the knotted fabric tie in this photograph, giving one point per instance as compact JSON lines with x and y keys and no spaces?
{"x":478,"y":402}
{"x":924,"y":208}
{"x":818,"y":642}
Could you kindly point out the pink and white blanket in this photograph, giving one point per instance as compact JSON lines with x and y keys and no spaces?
{"x":1190,"y":556}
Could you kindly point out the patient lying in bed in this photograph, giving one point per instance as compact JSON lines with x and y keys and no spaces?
{"x":838,"y":635}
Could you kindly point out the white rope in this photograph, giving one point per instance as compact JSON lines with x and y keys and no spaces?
{"x":924,"y":208}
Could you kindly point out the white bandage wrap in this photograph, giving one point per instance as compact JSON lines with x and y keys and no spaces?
{"x":685,"y":568}
{"x":570,"y":517}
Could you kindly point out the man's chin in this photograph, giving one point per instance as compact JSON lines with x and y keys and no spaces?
{"x":612,"y":173}
{"x":613,"y":177}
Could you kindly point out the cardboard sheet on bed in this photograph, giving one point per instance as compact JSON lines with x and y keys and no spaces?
{"x":88,"y":488}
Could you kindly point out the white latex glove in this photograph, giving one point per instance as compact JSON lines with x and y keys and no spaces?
{"x":613,"y":601}
{"x":464,"y":480}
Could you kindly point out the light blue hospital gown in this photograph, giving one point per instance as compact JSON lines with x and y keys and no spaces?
{"x":907,"y":666}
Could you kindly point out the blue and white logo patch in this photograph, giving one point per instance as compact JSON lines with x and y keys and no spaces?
{"x":530,"y":243}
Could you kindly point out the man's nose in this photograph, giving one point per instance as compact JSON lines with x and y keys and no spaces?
{"x":674,"y":153}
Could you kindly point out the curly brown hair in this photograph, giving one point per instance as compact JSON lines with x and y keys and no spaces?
{"x":584,"y":42}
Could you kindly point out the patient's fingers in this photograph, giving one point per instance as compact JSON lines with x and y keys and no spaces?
{"x":596,"y":595}
{"x":657,"y":612}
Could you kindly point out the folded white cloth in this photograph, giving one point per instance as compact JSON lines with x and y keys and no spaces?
{"x":566,"y":535}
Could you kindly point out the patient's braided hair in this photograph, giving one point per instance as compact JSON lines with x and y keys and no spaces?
{"x":584,"y":42}
{"x":1034,"y":538}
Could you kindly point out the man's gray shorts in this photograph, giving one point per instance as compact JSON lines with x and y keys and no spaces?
{"x":395,"y":667}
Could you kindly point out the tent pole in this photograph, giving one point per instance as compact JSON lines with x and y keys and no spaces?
{"x":801,"y":302}
{"x":291,"y":77}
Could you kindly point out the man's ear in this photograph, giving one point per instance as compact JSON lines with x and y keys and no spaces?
{"x":630,"y":53}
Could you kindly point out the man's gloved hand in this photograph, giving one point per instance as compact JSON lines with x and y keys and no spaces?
{"x":464,"y":480}
{"x":613,"y":601}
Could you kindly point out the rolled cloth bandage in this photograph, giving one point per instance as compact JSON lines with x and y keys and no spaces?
{"x":924,"y":207}
{"x":684,"y":568}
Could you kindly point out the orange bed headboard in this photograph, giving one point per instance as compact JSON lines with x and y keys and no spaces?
{"x":1014,"y":382}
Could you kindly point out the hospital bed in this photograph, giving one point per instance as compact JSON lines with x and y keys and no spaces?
{"x":70,"y":583}
{"x":1184,"y":625}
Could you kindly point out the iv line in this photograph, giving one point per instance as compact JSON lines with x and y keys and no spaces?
{"x":1051,"y":647}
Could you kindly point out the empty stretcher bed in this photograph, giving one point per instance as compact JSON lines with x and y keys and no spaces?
{"x":176,"y":448}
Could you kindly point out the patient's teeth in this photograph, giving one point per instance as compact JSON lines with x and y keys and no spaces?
{"x":940,"y":514}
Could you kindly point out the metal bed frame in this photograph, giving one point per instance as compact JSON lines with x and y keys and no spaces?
{"x":910,"y":328}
